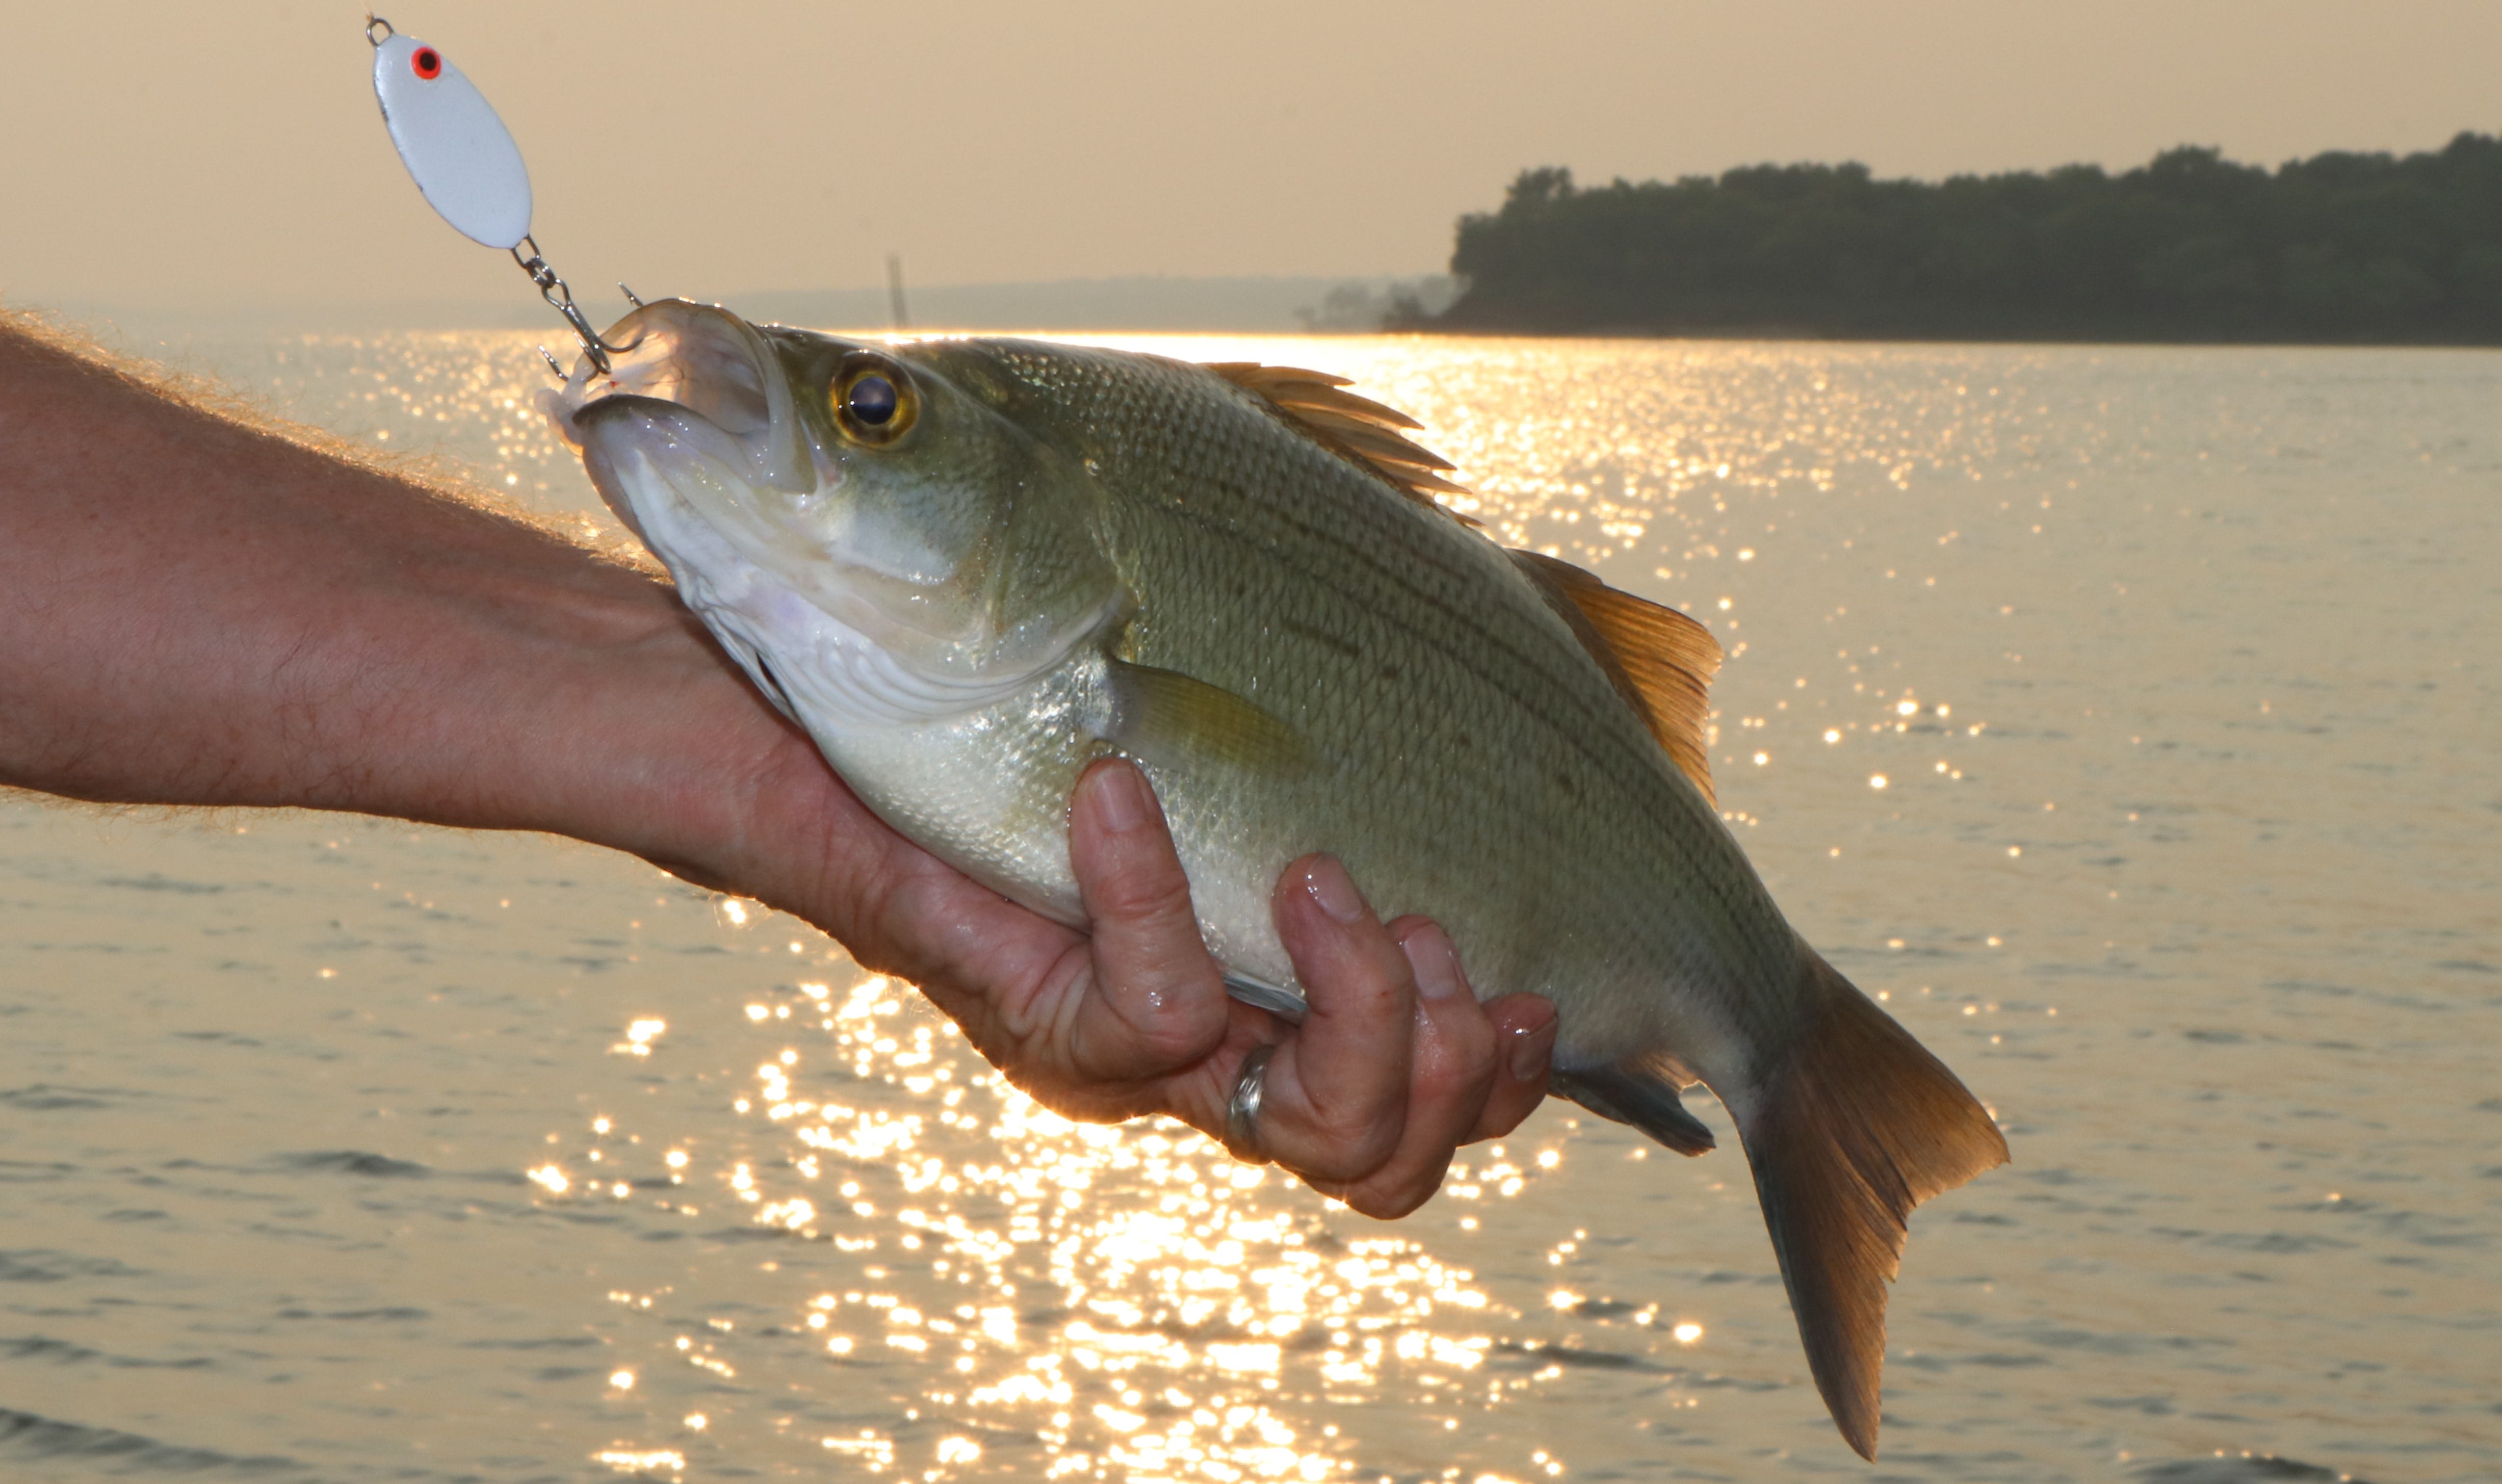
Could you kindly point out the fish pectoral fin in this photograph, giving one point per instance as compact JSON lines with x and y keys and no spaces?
{"x":1660,"y":661}
{"x":1261,"y":994}
{"x":1644,"y":1099}
{"x":1167,"y":718}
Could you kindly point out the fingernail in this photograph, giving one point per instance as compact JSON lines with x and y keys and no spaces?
{"x":1122,"y":796}
{"x":1435,"y":967}
{"x":1335,"y":889}
{"x":1529,"y":1050}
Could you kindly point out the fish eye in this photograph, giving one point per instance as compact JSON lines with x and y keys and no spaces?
{"x":872,"y":399}
{"x":427,"y":63}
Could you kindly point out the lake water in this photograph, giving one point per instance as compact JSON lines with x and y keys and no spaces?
{"x":2130,"y":719}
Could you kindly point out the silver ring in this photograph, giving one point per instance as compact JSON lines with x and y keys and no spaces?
{"x":1242,"y":1113}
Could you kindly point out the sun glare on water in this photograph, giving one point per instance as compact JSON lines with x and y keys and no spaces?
{"x":1125,"y":1299}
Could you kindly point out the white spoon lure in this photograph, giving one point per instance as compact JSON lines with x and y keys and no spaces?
{"x":464,"y":162}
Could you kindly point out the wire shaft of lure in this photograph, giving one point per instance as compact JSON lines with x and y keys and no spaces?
{"x":559,"y":295}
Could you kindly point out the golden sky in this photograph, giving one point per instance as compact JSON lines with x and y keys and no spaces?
{"x":227,"y":155}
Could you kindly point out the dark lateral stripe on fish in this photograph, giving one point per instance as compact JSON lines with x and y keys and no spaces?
{"x":1580,"y":730}
{"x":1554,"y":706}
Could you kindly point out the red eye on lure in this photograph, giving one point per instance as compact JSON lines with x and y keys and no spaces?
{"x":428,"y":63}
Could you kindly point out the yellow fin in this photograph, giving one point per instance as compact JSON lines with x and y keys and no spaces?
{"x":1661,"y":661}
{"x":1358,"y":429}
{"x":1167,"y":718}
{"x":1853,"y":1125}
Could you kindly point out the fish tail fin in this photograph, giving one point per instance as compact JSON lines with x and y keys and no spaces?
{"x":1854,"y":1126}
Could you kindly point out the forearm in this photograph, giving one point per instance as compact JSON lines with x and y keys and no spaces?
{"x":197,"y":611}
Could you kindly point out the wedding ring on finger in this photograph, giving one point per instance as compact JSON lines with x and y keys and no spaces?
{"x":1242,"y":1113}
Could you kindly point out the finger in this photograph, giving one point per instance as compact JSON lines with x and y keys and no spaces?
{"x":1524,"y":1032}
{"x":1451,"y":1072}
{"x":1337,"y":1095}
{"x":1149,"y":998}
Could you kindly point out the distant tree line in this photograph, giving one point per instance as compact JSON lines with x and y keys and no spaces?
{"x":1355,"y":306}
{"x":2191,"y":247}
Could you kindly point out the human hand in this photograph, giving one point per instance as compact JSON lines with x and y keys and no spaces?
{"x":1396,"y":1065}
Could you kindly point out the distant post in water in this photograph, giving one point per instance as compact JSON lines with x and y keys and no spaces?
{"x":895,"y":293}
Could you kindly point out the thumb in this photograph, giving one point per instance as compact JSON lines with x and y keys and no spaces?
{"x":1156,"y":1001}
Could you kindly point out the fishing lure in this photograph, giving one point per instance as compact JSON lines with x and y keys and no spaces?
{"x":466,"y":165}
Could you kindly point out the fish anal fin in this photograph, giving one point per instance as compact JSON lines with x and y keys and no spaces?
{"x":1661,"y":661}
{"x":1640,"y":1097}
{"x":1358,"y":429}
{"x":1847,"y":1130}
{"x":1167,"y":718}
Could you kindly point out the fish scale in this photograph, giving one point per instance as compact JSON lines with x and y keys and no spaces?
{"x":1267,"y":565}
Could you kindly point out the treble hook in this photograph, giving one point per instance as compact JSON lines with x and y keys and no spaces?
{"x":628,"y":293}
{"x":555,"y":290}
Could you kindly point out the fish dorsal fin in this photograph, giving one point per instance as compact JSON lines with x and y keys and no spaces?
{"x":1661,"y":661}
{"x":1359,"y":430}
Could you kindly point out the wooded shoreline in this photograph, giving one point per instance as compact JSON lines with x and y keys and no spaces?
{"x":2342,"y":249}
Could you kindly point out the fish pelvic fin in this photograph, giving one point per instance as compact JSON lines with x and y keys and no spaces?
{"x":1643,"y":1096}
{"x":1855,"y":1124}
{"x":1659,"y":660}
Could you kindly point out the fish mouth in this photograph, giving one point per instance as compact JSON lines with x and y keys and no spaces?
{"x":693,"y":436}
{"x":689,"y":389}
